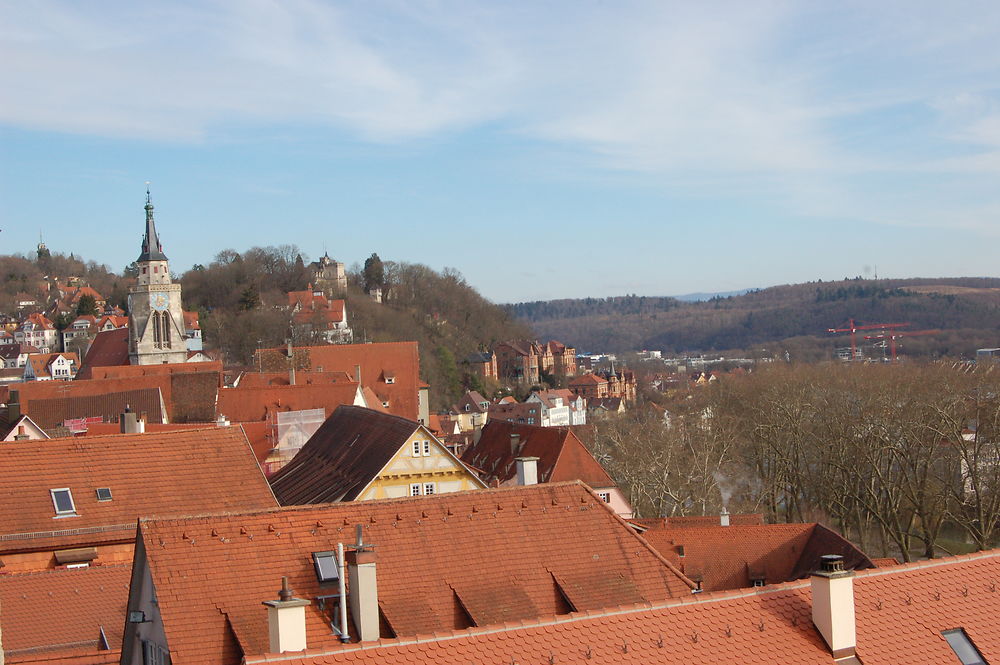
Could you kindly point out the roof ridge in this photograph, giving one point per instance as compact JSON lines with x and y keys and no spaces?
{"x":931,"y":563}
{"x":436,"y":498}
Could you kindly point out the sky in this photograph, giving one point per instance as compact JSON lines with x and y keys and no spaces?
{"x":543,"y":149}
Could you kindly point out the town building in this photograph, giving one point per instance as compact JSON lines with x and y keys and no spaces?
{"x":361,"y":454}
{"x":317,"y":317}
{"x":513,"y":454}
{"x":157,"y":333}
{"x":411,"y":568}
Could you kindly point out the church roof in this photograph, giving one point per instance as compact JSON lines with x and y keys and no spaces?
{"x":151,"y":248}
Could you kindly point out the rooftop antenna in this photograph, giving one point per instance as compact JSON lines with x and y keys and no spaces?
{"x":147,"y":192}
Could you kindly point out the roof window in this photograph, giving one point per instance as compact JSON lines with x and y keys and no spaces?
{"x":104,"y":494}
{"x":963,"y":647}
{"x":327,"y":569}
{"x":62,"y":500}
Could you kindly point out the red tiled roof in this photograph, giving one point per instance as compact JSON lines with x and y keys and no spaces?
{"x":252,"y":404}
{"x":266,"y":379}
{"x":157,"y":473}
{"x":736,"y":519}
{"x":585,"y":379}
{"x":561,"y":455}
{"x":54,"y":411}
{"x":478,"y":546}
{"x":731,"y":557}
{"x":189,"y":390}
{"x":40,"y":361}
{"x":60,"y":613}
{"x":399,"y":358}
{"x":900,"y":612}
{"x":109,"y":348}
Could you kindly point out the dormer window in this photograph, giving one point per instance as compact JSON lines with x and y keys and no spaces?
{"x":104,"y":494}
{"x":62,"y":500}
{"x":327,"y":569}
{"x":390,"y":379}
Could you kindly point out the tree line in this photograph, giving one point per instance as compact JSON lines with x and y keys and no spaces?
{"x":904,"y":459}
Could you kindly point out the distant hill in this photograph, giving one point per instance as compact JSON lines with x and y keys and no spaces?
{"x":790,"y":317}
{"x":699,"y":297}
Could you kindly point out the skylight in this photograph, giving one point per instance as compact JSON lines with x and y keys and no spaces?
{"x":327,"y":569}
{"x":966,"y":651}
{"x":62,"y":499}
{"x":104,"y":494}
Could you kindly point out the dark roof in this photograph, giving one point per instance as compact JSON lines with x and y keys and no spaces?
{"x":51,"y":412}
{"x":109,"y":348}
{"x":561,"y":455}
{"x":151,"y":249}
{"x":342,"y":457}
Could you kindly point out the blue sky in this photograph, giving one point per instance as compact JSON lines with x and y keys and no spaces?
{"x":545,"y":150}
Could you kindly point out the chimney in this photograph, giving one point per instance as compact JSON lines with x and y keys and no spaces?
{"x":515,"y":443}
{"x":286,"y":621}
{"x":128,"y":423}
{"x":833,"y":605}
{"x":291,"y":365}
{"x":14,"y":406}
{"x":22,"y":433}
{"x":357,"y":373}
{"x":724,"y":517}
{"x":527,"y":470}
{"x":363,"y":588}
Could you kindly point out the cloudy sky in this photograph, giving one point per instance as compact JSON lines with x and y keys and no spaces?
{"x":545,"y":150}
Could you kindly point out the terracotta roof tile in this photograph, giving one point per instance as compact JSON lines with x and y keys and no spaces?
{"x":731,"y":557}
{"x":253,"y":404}
{"x":399,"y":358}
{"x":60,"y":613}
{"x":561,"y":455}
{"x":508,"y":545}
{"x":109,"y":348}
{"x":158,"y":473}
{"x":900,"y":612}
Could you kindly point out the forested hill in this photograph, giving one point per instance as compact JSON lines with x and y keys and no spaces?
{"x":793,"y":317}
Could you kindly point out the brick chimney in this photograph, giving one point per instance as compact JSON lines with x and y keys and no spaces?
{"x":527,"y":470}
{"x":291,"y":364}
{"x":363,"y":588}
{"x":833,"y":605}
{"x":286,"y":621}
{"x":515,"y":443}
{"x":357,"y":373}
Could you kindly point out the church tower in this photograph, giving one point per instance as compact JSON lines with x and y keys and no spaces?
{"x":155,"y":319}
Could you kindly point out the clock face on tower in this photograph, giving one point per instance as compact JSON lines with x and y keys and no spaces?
{"x":158,"y":301}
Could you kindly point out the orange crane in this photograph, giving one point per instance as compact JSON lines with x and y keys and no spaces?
{"x":894,"y":335}
{"x":853,"y":329}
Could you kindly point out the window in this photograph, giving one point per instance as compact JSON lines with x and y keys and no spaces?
{"x":62,"y":499}
{"x":427,"y":448}
{"x":165,"y":322}
{"x":327,"y":569}
{"x":415,"y":489}
{"x":416,"y":449}
{"x":428,"y":488}
{"x":154,"y":654}
{"x":758,"y":582}
{"x":605,"y":496}
{"x":390,"y":379}
{"x":104,"y":494}
{"x":963,"y":647}
{"x":157,"y":330}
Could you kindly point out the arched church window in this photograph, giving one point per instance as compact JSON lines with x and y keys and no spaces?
{"x":165,"y":322}
{"x":157,"y":330}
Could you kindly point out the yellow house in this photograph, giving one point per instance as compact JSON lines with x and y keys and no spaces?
{"x":360,"y":454}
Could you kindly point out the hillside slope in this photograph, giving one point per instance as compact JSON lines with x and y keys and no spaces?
{"x":793,"y":317}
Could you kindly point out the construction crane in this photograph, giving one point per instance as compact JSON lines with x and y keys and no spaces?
{"x":853,"y":329}
{"x":894,"y":335}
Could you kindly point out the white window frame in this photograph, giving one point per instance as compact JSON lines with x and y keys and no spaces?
{"x":427,"y":448}
{"x":430,"y":489}
{"x":605,"y":496}
{"x":55,"y":505}
{"x":416,"y":449}
{"x":415,"y":489}
{"x":154,"y":654}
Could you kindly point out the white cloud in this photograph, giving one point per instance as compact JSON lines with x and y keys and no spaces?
{"x":787,"y":98}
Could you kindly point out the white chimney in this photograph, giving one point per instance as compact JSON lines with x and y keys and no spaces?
{"x":833,"y":605}
{"x":286,"y":621}
{"x":363,"y":589}
{"x":128,"y":423}
{"x":527,"y":470}
{"x":724,"y":517}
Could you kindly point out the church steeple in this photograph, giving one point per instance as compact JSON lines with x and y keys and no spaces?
{"x":151,"y":249}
